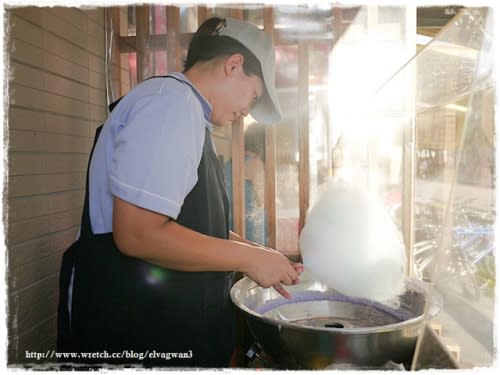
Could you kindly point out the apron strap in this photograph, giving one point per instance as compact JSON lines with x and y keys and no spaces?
{"x":86,"y":228}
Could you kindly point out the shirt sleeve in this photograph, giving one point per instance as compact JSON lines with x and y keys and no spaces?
{"x":157,"y":151}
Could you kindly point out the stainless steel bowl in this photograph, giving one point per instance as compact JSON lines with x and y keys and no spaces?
{"x":321,"y":328}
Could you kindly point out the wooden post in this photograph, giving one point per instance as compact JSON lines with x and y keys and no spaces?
{"x":337,"y":23}
{"x":237,"y":13}
{"x":143,"y":49}
{"x":238,"y":165}
{"x":203,"y":14}
{"x":238,"y":173}
{"x":270,"y":165}
{"x":173,"y":50}
{"x":303,"y":86}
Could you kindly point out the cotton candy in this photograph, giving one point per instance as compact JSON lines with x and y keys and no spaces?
{"x":350,"y":243}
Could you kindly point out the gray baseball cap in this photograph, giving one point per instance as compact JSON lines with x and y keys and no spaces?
{"x":267,"y":109}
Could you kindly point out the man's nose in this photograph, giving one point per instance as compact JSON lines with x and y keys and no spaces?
{"x":245,"y":111}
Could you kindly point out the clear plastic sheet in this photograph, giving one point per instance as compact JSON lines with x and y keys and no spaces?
{"x":454,"y":182}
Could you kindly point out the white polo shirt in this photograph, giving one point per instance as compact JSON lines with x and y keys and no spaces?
{"x":149,"y":150}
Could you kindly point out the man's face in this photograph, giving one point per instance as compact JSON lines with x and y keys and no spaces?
{"x":236,"y":95}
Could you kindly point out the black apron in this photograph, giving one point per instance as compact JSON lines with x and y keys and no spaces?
{"x":128,"y":311}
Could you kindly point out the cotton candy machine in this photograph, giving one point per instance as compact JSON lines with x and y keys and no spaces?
{"x":320,"y":328}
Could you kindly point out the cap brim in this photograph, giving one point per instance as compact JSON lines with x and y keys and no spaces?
{"x":267,"y":109}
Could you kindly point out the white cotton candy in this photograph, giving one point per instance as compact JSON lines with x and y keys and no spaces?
{"x":350,"y":243}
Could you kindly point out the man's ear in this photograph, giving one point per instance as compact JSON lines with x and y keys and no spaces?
{"x":233,"y":62}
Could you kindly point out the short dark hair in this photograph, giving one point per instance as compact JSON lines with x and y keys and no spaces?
{"x":207,"y":45}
